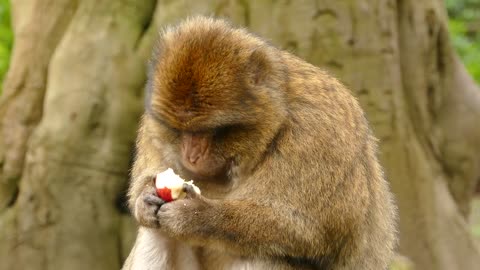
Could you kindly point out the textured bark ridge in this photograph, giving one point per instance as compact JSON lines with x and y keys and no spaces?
{"x":73,"y":95}
{"x":69,"y":113}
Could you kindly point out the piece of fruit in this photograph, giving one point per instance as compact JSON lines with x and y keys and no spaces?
{"x":165,"y":193}
{"x":170,"y":186}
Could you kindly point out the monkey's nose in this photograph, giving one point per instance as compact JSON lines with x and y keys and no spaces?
{"x":193,"y":158}
{"x":194,"y":154}
{"x":195,"y":146}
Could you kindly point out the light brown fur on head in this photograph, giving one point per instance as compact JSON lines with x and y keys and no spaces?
{"x":281,"y":150}
{"x":209,"y":74}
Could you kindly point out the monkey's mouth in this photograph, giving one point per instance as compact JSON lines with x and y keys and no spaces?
{"x":210,"y":171}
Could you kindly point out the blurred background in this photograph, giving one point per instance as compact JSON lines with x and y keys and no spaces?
{"x":73,"y":72}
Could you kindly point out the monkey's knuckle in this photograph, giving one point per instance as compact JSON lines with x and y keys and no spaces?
{"x":146,"y":214}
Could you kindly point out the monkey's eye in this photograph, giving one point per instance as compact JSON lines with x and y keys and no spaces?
{"x":174,"y":133}
{"x":220,"y":133}
{"x":223,"y":131}
{"x":174,"y":130}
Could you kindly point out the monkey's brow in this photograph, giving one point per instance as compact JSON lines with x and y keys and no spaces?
{"x":159,"y":119}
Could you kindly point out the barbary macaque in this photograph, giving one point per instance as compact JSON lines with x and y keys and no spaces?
{"x":281,"y":151}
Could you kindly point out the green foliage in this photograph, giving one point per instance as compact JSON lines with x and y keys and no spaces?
{"x":475,"y":218}
{"x":401,"y":263}
{"x":464,"y":27}
{"x":6,"y":38}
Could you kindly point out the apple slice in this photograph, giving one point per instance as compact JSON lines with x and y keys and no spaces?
{"x":170,"y":186}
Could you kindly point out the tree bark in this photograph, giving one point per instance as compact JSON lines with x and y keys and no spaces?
{"x":70,"y":108}
{"x":72,"y":101}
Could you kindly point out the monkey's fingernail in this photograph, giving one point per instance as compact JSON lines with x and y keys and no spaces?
{"x":165,"y":207}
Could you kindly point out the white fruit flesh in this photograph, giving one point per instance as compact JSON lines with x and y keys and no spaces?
{"x":168,"y":179}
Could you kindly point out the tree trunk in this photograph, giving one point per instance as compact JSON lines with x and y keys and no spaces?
{"x":71,"y":103}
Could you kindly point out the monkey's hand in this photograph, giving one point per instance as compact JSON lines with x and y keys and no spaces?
{"x":175,"y":217}
{"x":147,"y":206}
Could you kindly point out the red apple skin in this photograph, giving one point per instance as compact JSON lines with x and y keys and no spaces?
{"x":165,"y":194}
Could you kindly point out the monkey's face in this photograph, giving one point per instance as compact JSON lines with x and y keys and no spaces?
{"x":207,"y":138}
{"x":206,"y":154}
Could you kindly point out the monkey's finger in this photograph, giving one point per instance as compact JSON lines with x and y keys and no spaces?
{"x":189,"y":189}
{"x":153,"y":200}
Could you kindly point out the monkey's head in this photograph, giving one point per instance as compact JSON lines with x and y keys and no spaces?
{"x":215,"y":95}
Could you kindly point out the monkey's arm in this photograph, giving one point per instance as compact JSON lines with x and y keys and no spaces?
{"x":243,"y":227}
{"x":148,"y":162}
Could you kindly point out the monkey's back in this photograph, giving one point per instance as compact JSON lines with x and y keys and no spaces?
{"x":356,"y":208}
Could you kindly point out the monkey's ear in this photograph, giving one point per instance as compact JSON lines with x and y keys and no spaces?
{"x":259,"y":67}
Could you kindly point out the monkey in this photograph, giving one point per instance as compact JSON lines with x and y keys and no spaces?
{"x":281,"y":150}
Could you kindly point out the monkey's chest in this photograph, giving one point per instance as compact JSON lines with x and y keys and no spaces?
{"x":215,"y":260}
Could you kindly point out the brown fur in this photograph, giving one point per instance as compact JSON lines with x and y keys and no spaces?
{"x":298,"y":184}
